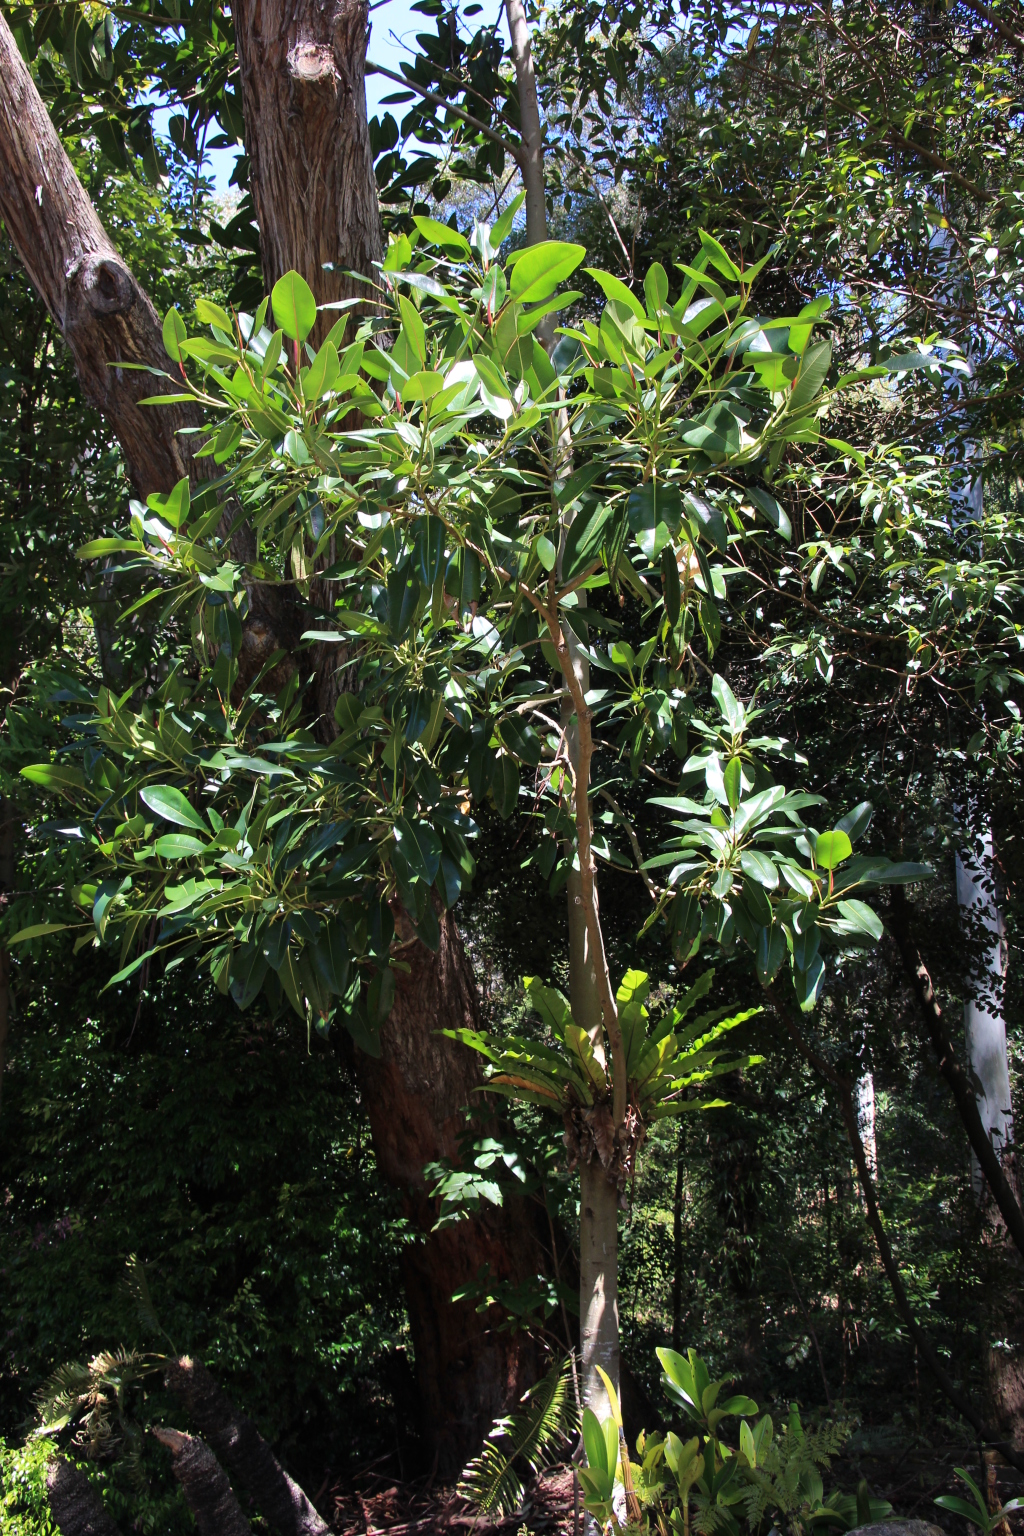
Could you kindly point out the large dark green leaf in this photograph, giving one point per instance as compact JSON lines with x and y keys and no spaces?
{"x":584,"y":538}
{"x":171,"y":804}
{"x":505,"y":785}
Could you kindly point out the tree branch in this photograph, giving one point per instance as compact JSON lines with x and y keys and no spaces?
{"x":959,"y":1085}
{"x":981,"y":9}
{"x":105,"y":317}
{"x":515,"y":150}
{"x":844,"y":1091}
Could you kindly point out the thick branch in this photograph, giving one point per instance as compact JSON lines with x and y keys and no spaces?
{"x":105,"y":317}
{"x":74,"y":1503}
{"x":205,"y":1485}
{"x":584,"y":838}
{"x":531,"y":160}
{"x":981,"y":9}
{"x":515,"y":150}
{"x":240,"y":1446}
{"x":957,"y":1079}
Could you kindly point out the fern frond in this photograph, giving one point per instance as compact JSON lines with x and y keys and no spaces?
{"x":534,"y":1436}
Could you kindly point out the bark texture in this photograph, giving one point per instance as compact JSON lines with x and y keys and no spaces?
{"x":468,"y":1372}
{"x":238,"y":1444}
{"x":311,"y":169}
{"x":302,"y":65}
{"x":205,"y":1485}
{"x":531,"y":160}
{"x":74,"y":1503}
{"x":105,"y":317}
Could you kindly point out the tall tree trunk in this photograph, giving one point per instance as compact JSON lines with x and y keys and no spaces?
{"x":865,"y":1097}
{"x":985,"y":1040}
{"x":984,"y":1023}
{"x":74,"y":1503}
{"x":6,"y":886}
{"x":302,"y":68}
{"x":599,"y":1197}
{"x":415,"y":1094}
{"x":306,"y":131}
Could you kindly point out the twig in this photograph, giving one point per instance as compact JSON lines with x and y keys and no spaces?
{"x":439,"y":101}
{"x":634,"y":844}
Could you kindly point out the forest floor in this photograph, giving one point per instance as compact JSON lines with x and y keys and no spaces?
{"x":374,"y":1503}
{"x":909,"y":1470}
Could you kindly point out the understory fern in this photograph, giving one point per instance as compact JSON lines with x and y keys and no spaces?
{"x":787,"y":1477}
{"x":529,"y":1439}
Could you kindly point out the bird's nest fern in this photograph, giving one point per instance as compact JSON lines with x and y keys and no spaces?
{"x":668,"y":1065}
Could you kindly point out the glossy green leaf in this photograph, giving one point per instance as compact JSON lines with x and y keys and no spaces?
{"x":177,"y":845}
{"x":443,"y":235}
{"x":174,"y":333}
{"x":505,"y":785}
{"x":294,"y":306}
{"x":831,"y":849}
{"x":538,"y":272}
{"x":172,"y":805}
{"x":584,"y":538}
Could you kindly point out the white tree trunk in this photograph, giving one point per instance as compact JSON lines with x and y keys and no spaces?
{"x":865,"y":1093}
{"x":599,"y":1296}
{"x":984,"y":1023}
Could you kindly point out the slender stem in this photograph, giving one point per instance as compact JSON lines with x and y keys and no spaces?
{"x":531,"y":158}
{"x":584,"y":838}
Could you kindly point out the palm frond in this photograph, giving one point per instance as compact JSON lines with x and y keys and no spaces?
{"x":530,"y":1439}
{"x":137,"y":1286}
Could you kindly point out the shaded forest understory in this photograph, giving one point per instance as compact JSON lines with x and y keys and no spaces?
{"x":510,"y":792}
{"x":234,"y":1159}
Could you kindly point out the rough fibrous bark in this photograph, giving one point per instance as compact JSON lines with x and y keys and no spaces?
{"x":205,"y":1485}
{"x":311,"y":169}
{"x":468,"y":1371}
{"x":239,"y":1445}
{"x":74,"y":1503}
{"x":103,"y":314}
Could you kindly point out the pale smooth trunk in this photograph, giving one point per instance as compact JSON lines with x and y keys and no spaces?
{"x":599,"y":1295}
{"x":865,"y":1095}
{"x":599,"y":1201}
{"x":984,"y":1022}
